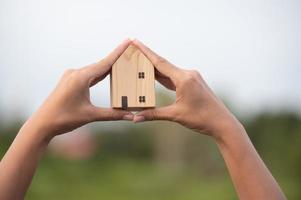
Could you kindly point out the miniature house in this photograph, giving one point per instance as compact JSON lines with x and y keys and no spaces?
{"x":132,"y":81}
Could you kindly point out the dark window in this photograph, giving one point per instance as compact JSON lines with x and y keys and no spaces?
{"x":141,"y":99}
{"x":140,"y":75}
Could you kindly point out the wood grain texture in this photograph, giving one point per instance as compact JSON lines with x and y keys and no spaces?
{"x":125,"y":80}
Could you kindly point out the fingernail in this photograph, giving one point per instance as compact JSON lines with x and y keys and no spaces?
{"x":128,"y":117}
{"x":139,"y":118}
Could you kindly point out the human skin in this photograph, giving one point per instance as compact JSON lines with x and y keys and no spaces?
{"x":196,"y":107}
{"x":67,"y":107}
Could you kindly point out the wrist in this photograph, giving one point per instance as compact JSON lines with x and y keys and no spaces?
{"x":37,"y":127}
{"x":228,"y":130}
{"x":234,"y":141}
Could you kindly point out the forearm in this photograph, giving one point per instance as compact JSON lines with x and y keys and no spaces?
{"x":251,"y":177}
{"x":19,"y":163}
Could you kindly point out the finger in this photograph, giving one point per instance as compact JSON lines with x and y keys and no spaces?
{"x":95,"y":80}
{"x":102,"y":67}
{"x":163,"y":113}
{"x":110,"y":114}
{"x":162,"y":65}
{"x":166,"y":82}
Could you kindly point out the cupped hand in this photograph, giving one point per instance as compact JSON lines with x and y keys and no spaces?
{"x":195,"y":106}
{"x":69,"y":106}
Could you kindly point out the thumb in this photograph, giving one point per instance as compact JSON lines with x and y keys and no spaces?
{"x":110,"y":114}
{"x":163,"y":113}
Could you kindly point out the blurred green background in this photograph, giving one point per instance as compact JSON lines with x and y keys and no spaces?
{"x":157,"y":160}
{"x":249,"y":53}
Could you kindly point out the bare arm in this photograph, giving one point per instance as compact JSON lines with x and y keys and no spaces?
{"x":197,"y":108}
{"x":68,"y":107}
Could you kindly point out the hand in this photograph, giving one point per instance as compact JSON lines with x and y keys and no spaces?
{"x":195,"y":107}
{"x":69,"y":106}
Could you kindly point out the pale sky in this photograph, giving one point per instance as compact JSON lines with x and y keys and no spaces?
{"x":248,"y":51}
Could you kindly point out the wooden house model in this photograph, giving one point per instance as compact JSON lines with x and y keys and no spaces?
{"x":132,"y":81}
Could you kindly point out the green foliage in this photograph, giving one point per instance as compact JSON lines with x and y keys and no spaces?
{"x":138,"y":162}
{"x":122,"y":179}
{"x":277,"y":137}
